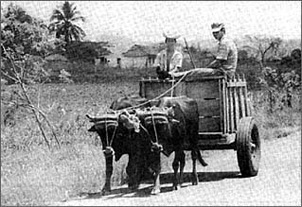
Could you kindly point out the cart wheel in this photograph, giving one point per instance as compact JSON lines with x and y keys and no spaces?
{"x":248,"y":147}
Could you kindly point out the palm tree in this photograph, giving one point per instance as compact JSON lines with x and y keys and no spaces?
{"x":64,"y":25}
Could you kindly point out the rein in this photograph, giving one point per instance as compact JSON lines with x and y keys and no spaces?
{"x":154,"y":127}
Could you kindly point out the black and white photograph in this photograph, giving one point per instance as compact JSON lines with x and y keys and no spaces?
{"x":151,"y":103}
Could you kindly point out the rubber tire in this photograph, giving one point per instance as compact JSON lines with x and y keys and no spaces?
{"x":248,"y":160}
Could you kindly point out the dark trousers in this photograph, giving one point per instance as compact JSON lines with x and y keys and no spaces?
{"x":162,"y":74}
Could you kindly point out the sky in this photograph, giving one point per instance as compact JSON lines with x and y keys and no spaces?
{"x":145,"y":21}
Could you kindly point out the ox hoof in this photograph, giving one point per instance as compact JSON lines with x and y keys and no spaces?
{"x":175,"y":187}
{"x":105,"y":192}
{"x":194,"y":179}
{"x":133,"y":187}
{"x":194,"y":182}
{"x":155,"y":191}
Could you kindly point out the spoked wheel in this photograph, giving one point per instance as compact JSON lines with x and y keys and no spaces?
{"x":248,"y":147}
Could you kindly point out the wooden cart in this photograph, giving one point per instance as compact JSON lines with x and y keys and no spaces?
{"x":225,"y":120}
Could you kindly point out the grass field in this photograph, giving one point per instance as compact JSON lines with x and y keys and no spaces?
{"x":31,"y":174}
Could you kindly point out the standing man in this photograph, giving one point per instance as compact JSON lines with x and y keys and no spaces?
{"x":227,"y":55}
{"x":169,"y":60}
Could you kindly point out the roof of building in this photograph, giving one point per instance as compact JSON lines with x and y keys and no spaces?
{"x":141,"y":51}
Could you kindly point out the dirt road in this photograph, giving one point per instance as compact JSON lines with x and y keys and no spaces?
{"x":278,"y":182}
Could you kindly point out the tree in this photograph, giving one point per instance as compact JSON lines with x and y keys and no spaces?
{"x":24,"y":43}
{"x":260,"y":46}
{"x":87,"y":51}
{"x":278,"y":81}
{"x":63,"y":23}
{"x":18,"y":13}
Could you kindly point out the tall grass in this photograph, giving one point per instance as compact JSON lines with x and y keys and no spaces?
{"x":37,"y":176}
{"x":277,"y":121}
{"x":31,"y":174}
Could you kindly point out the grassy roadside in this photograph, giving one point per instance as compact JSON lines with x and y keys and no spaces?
{"x":279,"y":123}
{"x":37,"y":176}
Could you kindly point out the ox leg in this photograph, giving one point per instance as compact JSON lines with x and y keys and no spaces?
{"x":182,"y":166}
{"x":179,"y":162}
{"x":132,"y":172}
{"x":109,"y":170}
{"x":194,"y":173}
{"x":156,"y":168}
{"x":175,"y":166}
{"x":156,"y":188}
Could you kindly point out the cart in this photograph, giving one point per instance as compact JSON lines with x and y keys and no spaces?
{"x":225,"y":119}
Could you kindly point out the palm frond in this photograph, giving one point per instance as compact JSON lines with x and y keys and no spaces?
{"x":58,"y":15}
{"x":77,"y":18}
{"x":67,"y":10}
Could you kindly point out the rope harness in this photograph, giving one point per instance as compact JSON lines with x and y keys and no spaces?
{"x":115,"y":122}
{"x":154,"y":127}
{"x":107,"y":121}
{"x":161,"y":95}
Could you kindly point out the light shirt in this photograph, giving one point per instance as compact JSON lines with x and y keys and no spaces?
{"x":227,"y":50}
{"x":162,"y":61}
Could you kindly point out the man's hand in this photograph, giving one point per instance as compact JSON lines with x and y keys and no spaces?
{"x":157,"y":69}
{"x":171,"y":73}
{"x":213,"y":64}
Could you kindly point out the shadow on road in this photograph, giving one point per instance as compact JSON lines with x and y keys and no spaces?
{"x":165,"y":178}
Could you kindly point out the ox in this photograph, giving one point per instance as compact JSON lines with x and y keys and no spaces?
{"x":119,"y":138}
{"x":171,"y":127}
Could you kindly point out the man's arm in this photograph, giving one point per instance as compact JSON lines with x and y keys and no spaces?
{"x":177,"y":62}
{"x":157,"y":60}
{"x":221,"y":58}
{"x":217,"y":63}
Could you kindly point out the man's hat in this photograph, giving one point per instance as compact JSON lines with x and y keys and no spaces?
{"x":171,"y":35}
{"x":216,"y":27}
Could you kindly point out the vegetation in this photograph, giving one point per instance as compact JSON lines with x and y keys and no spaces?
{"x":64,"y":23}
{"x":47,"y":102}
{"x":87,"y":51}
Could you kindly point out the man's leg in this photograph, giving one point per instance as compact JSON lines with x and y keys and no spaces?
{"x":162,"y":74}
{"x":230,"y":74}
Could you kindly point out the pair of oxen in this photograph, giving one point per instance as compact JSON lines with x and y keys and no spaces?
{"x":170,"y":125}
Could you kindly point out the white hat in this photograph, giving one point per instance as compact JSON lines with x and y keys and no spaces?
{"x":216,"y":27}
{"x":171,"y":35}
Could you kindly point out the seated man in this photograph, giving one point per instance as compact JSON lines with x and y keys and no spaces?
{"x":169,"y":60}
{"x":226,"y":59}
{"x":227,"y":55}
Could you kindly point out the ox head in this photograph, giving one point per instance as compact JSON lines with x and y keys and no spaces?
{"x":116,"y":131}
{"x":129,"y":121}
{"x":106,"y":126}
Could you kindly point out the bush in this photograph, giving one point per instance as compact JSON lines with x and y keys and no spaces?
{"x":279,"y":122}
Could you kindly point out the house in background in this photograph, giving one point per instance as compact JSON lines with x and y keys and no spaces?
{"x":140,"y":56}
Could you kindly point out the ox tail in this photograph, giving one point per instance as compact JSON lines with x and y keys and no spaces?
{"x":200,"y":159}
